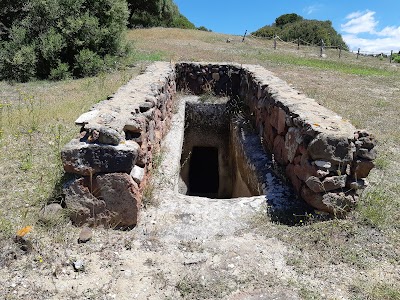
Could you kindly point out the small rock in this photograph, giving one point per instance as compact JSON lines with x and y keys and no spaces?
{"x":85,"y":235}
{"x":79,"y":265}
{"x":137,"y":174}
{"x":367,"y":154}
{"x":50,"y":212}
{"x":323,"y":164}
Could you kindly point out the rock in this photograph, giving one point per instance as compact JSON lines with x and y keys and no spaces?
{"x":51,"y":213}
{"x":357,"y":184}
{"x":296,"y":182}
{"x":367,"y":142}
{"x":88,"y":159}
{"x":86,"y":117}
{"x":323,"y":164}
{"x":110,"y":200}
{"x":79,"y":265}
{"x":145,"y":106}
{"x":292,"y":140}
{"x":278,"y":119}
{"x":215,"y":76}
{"x":315,"y":184}
{"x":314,"y":199}
{"x":367,"y":154}
{"x":280,"y":150}
{"x":106,"y":135}
{"x":328,"y":184}
{"x":137,"y":174}
{"x":331,"y":148}
{"x":362,"y":167}
{"x":339,"y":202}
{"x":85,"y":235}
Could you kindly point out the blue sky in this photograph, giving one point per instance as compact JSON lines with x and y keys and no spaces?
{"x":373,"y":26}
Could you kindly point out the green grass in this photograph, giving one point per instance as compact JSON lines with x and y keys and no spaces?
{"x":324,"y":64}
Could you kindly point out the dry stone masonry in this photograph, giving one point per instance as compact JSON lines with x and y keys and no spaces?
{"x":325,"y":159}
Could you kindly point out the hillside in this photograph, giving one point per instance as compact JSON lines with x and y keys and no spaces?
{"x":292,"y":27}
{"x":352,"y":258}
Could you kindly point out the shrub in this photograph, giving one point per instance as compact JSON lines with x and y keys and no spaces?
{"x":87,"y":63}
{"x":61,"y":72}
{"x":151,"y":13}
{"x":52,"y":38}
{"x":396,"y":58}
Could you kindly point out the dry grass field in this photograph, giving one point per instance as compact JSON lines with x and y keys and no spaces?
{"x":353,"y":258}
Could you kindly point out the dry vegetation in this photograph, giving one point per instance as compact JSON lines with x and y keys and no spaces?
{"x":355,"y":258}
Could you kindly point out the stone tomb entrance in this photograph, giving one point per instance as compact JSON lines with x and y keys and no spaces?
{"x":206,"y":159}
{"x":323,"y":158}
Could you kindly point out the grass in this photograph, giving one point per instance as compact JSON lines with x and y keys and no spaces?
{"x":37,"y":119}
{"x":323,"y":64}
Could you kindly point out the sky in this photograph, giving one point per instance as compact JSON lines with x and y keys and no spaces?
{"x":372,"y":26}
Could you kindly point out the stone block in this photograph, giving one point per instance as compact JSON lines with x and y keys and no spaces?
{"x":278,"y":119}
{"x":367,"y":154}
{"x":331,"y":148}
{"x":110,"y":200}
{"x":104,"y":135}
{"x":362,"y":167}
{"x":137,"y":174}
{"x":280,"y":150}
{"x":338,"y":202}
{"x":88,"y":159}
{"x":326,"y":185}
{"x":295,"y":181}
{"x":314,"y":199}
{"x":292,"y":140}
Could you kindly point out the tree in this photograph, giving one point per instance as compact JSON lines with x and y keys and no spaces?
{"x":150,"y":13}
{"x":59,"y":38}
{"x":286,"y":19}
{"x":292,"y":26}
{"x":10,"y":11}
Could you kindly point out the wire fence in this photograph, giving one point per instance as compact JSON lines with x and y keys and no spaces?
{"x":299,"y":43}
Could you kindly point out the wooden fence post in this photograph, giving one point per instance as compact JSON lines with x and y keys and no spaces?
{"x":322,"y":48}
{"x":391,"y":56}
{"x":275,"y":41}
{"x":244,"y":35}
{"x":298,"y":43}
{"x":358,"y":53}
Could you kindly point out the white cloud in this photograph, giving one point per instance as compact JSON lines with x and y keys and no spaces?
{"x":312,"y":8}
{"x":360,"y":22}
{"x":364,"y":22}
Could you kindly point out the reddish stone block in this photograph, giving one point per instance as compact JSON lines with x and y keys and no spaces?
{"x":110,"y":200}
{"x":279,"y":150}
{"x":362,"y":167}
{"x":296,"y":182}
{"x":278,"y":119}
{"x":314,"y":199}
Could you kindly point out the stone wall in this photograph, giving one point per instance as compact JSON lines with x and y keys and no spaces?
{"x":325,"y":158}
{"x":113,"y":154}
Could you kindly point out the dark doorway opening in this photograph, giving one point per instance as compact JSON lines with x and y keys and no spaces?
{"x":204,"y":172}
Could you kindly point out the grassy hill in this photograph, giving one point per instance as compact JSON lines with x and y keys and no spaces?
{"x":358,"y":257}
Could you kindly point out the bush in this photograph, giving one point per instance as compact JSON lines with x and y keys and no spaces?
{"x":151,"y":13}
{"x":396,"y":58}
{"x":52,"y":38}
{"x":87,"y":63}
{"x":61,"y":72}
{"x":290,"y":27}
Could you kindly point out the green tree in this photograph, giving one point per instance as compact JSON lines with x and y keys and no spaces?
{"x":286,"y":19}
{"x":10,"y":11}
{"x":150,"y":13}
{"x":290,"y":27}
{"x":54,"y":38}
